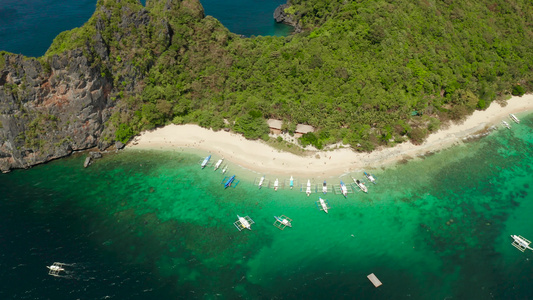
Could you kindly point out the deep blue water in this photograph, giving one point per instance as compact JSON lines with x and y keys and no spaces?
{"x":29,"y":26}
{"x":247,"y":17}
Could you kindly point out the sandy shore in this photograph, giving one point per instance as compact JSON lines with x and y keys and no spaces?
{"x":259,"y":157}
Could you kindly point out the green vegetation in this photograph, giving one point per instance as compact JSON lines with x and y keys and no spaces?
{"x":356,"y":73}
{"x":2,"y":59}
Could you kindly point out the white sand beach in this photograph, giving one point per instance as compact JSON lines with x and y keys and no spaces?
{"x":259,"y":157}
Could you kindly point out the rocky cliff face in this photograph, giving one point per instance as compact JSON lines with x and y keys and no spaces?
{"x":47,"y":112}
{"x":60,"y":103}
{"x":282,"y":17}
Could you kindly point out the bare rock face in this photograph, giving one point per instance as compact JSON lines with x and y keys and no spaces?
{"x":282,"y":17}
{"x":47,"y":112}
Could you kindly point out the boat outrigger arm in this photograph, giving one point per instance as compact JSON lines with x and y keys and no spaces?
{"x":282,"y":222}
{"x":243,"y":223}
{"x":56,"y":268}
{"x":521,"y":243}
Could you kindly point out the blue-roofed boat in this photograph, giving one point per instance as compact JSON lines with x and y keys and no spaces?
{"x":206,"y":160}
{"x":344,"y":190}
{"x":229,"y":182}
{"x":291,"y":182}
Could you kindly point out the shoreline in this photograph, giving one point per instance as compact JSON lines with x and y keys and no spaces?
{"x":259,"y":157}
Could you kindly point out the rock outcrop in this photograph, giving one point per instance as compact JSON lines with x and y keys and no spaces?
{"x":63,"y":101}
{"x":47,"y":112}
{"x":282,"y":17}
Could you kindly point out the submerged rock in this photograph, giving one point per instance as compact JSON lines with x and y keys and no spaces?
{"x":88,"y":161}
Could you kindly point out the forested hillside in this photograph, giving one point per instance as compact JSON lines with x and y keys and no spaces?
{"x":367,"y":73}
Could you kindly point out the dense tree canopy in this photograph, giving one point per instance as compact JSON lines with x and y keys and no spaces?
{"x":367,"y":73}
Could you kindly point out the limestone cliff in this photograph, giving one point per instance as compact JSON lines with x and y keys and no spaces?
{"x":63,"y":101}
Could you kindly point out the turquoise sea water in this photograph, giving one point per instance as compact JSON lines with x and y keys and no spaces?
{"x":29,"y":26}
{"x":153,"y":225}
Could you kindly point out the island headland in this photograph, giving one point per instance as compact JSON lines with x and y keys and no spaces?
{"x":370,"y":75}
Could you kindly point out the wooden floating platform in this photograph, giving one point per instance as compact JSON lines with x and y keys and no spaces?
{"x":375,"y":281}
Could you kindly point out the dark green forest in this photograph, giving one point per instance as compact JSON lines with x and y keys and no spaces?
{"x":367,"y":73}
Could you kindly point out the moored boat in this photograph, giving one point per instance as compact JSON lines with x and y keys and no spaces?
{"x":276,"y":184}
{"x":514,"y":118}
{"x":506,"y":125}
{"x":206,"y":160}
{"x":291,"y":182}
{"x":219,"y":162}
{"x":324,"y":187}
{"x":243,"y":223}
{"x":323,"y":204}
{"x":261,"y":181}
{"x":229,"y":182}
{"x":225,"y":169}
{"x":361,"y":185}
{"x":308,"y":190}
{"x":344,"y":190}
{"x":283,"y":221}
{"x":370,"y":177}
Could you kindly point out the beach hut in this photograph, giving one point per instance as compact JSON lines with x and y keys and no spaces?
{"x":302,"y":129}
{"x":275,"y":126}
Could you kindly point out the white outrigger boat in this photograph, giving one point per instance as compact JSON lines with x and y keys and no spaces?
{"x":344,"y":189}
{"x":514,"y":118}
{"x":291,"y":182}
{"x":324,"y":188}
{"x":323,"y":204}
{"x":206,"y":160}
{"x":506,"y":125}
{"x":225,"y":169}
{"x":261,"y":181}
{"x":276,"y":184}
{"x":370,"y":177}
{"x":56,"y":268}
{"x":282,"y":222}
{"x":361,"y":185}
{"x":243,"y":223}
{"x":308,"y":190}
{"x":521,"y":243}
{"x":219,"y":162}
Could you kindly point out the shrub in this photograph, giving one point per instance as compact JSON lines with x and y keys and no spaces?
{"x":124,"y":133}
{"x":518,"y":90}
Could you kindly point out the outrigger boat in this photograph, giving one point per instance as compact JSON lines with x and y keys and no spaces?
{"x":370,"y":177}
{"x":514,"y":118}
{"x":282,"y":222}
{"x":261,"y":181}
{"x":344,"y":190}
{"x":229,"y":182}
{"x":361,"y":185}
{"x":243,"y":223}
{"x":308,"y":190}
{"x":325,"y":188}
{"x":206,"y":160}
{"x":276,"y":184}
{"x":322,"y":204}
{"x":55,"y":268}
{"x":219,"y":162}
{"x":505,"y":124}
{"x":225,"y":169}
{"x":521,"y":243}
{"x":291,"y":182}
